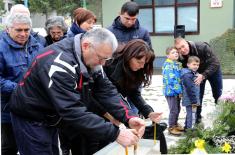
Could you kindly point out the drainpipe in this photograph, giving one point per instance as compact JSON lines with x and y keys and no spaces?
{"x":233,"y":14}
{"x":26,"y":3}
{"x":84,"y":4}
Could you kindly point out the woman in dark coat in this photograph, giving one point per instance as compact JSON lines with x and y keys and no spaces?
{"x":130,"y":69}
{"x":56,"y":29}
{"x":83,"y":20}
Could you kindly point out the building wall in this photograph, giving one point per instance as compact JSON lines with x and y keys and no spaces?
{"x":213,"y":23}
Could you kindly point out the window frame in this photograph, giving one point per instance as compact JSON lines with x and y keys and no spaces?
{"x":175,"y":5}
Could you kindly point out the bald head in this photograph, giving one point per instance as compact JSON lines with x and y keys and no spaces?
{"x":19,"y":8}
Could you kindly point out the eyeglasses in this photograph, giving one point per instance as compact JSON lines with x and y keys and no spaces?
{"x":101,"y":58}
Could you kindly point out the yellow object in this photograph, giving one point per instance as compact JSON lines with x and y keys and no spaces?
{"x":200,"y":143}
{"x":226,"y":148}
{"x":154,"y":134}
{"x":126,"y":150}
{"x":199,"y":147}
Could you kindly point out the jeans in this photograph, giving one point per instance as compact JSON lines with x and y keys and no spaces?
{"x":190,"y":117}
{"x":34,"y":138}
{"x":174,"y":107}
{"x":132,"y":106}
{"x":8,"y":140}
{"x":216,"y":83}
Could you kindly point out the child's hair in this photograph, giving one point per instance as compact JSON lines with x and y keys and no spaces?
{"x":193,"y":59}
{"x":169,"y":49}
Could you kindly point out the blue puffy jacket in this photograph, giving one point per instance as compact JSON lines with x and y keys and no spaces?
{"x":14,"y":62}
{"x":191,"y":92}
{"x":124,"y":34}
{"x":171,"y":78}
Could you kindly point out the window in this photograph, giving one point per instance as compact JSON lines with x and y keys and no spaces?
{"x":160,"y":16}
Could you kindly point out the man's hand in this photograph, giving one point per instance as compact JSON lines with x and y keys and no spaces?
{"x":199,"y":79}
{"x":138,"y":124}
{"x":127,"y":137}
{"x":155,"y":117}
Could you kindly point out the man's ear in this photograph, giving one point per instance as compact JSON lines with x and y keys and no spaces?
{"x":187,"y":65}
{"x":7,"y":29}
{"x":85,"y":45}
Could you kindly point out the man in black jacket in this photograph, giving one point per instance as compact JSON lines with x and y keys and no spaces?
{"x":50,"y":96}
{"x":209,"y":68}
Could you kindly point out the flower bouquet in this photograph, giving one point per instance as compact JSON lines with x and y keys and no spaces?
{"x":220,"y":138}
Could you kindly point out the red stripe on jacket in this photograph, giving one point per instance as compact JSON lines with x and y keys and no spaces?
{"x":34,"y":63}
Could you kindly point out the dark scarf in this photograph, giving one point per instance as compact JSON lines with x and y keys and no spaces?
{"x":76,"y":29}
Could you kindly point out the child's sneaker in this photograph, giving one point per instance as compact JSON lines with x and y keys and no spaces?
{"x":174,"y":131}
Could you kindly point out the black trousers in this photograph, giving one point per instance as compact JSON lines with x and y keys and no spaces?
{"x":216,"y":82}
{"x":35,"y":138}
{"x":79,"y":145}
{"x":8,"y":140}
{"x":149,"y":133}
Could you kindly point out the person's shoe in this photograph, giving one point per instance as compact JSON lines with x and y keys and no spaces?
{"x":174,"y":131}
{"x":179,"y":127}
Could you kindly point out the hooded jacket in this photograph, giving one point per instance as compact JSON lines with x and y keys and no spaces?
{"x":124,"y":34}
{"x":191,"y":92}
{"x":51,"y":93}
{"x":171,"y":78}
{"x":14,"y":62}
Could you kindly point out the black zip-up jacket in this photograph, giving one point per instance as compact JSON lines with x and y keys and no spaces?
{"x":51,"y":93}
{"x":209,"y":63}
{"x":115,"y":73}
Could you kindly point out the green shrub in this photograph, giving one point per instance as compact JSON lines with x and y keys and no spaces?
{"x":224,"y":47}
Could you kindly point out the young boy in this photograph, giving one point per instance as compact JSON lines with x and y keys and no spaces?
{"x":172,"y":89}
{"x":191,"y":91}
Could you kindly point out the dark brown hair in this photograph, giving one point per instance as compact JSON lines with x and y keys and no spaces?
{"x":80,"y":15}
{"x":131,"y":8}
{"x":136,"y":48}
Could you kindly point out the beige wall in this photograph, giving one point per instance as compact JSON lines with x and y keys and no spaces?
{"x":213,"y":22}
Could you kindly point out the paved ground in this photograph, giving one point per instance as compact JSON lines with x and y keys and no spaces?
{"x":153,"y":96}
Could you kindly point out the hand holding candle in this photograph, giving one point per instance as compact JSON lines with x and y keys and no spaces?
{"x":138,"y":124}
